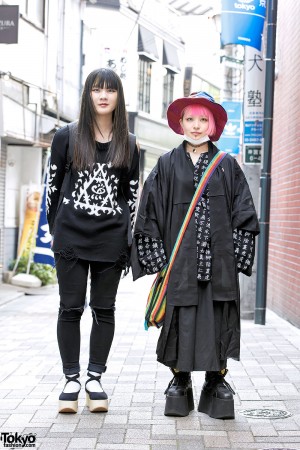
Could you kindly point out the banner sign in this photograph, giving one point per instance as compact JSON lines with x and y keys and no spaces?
{"x":31,"y":212}
{"x":9,"y":24}
{"x":254,"y":95}
{"x":230,"y":140}
{"x":242,"y":22}
{"x":42,"y":252}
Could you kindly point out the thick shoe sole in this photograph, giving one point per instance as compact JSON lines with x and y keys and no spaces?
{"x":179,"y":406}
{"x":215,"y":407}
{"x":96,"y":405}
{"x":65,"y":406}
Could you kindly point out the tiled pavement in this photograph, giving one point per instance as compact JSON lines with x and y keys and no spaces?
{"x":268,"y":377}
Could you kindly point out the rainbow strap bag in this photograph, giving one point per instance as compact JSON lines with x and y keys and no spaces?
{"x":156,"y":302}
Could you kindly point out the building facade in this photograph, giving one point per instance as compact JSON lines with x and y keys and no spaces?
{"x":40,"y":84}
{"x":283,"y":293}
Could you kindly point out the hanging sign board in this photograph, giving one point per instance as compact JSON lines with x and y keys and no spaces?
{"x":242,"y":22}
{"x":9,"y":24}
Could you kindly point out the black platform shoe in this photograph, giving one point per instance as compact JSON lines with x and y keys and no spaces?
{"x":96,"y":401}
{"x":68,"y":401}
{"x":179,"y":395}
{"x":216,"y":398}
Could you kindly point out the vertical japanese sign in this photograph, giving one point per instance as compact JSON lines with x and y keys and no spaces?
{"x":9,"y":23}
{"x":254,"y":94}
{"x":117,"y":61}
{"x":243,"y":22}
{"x":230,"y":140}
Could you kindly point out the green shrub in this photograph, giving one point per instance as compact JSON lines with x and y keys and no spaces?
{"x":45,"y":272}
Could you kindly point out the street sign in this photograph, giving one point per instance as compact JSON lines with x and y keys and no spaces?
{"x":252,"y":154}
{"x":254,"y":93}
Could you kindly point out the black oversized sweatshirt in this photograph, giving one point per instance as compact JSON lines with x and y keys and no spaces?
{"x":93,"y":217}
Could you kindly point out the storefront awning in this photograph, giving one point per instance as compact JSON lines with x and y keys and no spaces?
{"x":147,"y":44}
{"x":170,"y":57}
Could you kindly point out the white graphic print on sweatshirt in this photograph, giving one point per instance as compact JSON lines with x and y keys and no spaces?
{"x":51,"y":188}
{"x":133,"y":186}
{"x":95,"y":192}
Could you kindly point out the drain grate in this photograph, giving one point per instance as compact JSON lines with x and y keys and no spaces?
{"x":265,"y":414}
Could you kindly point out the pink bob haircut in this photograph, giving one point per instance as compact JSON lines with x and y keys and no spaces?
{"x":199,"y":110}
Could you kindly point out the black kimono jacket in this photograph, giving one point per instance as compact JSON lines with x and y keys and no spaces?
{"x":165,"y":199}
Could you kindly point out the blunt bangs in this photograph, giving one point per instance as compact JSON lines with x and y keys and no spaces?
{"x":104,"y":78}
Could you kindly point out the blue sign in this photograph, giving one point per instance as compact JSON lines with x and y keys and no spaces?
{"x":42,"y":252}
{"x":253,"y":131}
{"x":242,"y":22}
{"x":230,"y":140}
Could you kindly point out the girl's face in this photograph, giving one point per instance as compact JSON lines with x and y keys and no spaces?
{"x":104,"y":100}
{"x":194,"y":123}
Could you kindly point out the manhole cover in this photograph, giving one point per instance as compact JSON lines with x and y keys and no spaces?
{"x":265,"y":414}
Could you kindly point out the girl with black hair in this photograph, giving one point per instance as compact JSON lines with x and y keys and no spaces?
{"x":91,"y":200}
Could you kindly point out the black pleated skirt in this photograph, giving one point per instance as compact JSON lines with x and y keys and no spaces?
{"x":200,"y":337}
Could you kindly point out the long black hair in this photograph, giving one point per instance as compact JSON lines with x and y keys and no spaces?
{"x":85,"y":148}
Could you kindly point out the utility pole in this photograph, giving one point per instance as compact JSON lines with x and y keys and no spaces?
{"x":265,"y":179}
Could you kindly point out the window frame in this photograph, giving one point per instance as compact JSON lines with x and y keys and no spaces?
{"x":144,"y":83}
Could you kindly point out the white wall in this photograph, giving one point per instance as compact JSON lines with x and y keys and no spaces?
{"x":112,"y":34}
{"x":22,"y":168}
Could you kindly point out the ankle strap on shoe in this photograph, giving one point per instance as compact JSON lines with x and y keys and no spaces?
{"x":94,"y":377}
{"x":73,"y":378}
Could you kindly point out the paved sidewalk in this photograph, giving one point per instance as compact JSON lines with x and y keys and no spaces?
{"x":267,"y":378}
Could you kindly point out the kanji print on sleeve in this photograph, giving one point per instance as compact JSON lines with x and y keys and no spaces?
{"x":151,"y":254}
{"x":243,"y":249}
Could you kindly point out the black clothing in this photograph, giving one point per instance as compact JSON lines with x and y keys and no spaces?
{"x":91,"y":222}
{"x":151,"y":253}
{"x":165,"y":199}
{"x":202,"y":324}
{"x":200,"y":337}
{"x":72,"y":280}
{"x":90,"y":216}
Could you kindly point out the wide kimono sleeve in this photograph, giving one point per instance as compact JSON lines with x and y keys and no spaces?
{"x":150,"y":220}
{"x":56,"y":173}
{"x":244,"y":222}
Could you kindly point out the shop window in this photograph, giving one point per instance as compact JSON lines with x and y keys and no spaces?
{"x":33,"y":11}
{"x":168,"y":91}
{"x":145,"y":67}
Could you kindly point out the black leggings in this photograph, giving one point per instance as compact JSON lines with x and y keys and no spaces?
{"x":72,"y":280}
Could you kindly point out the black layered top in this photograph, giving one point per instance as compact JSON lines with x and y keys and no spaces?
{"x":166,"y":196}
{"x":151,"y":252}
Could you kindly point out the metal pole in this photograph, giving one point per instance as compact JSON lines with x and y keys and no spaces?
{"x":265,"y":179}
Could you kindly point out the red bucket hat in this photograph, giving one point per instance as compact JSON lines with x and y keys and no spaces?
{"x":197,"y":98}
